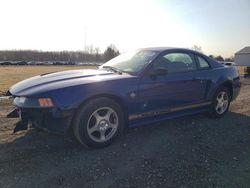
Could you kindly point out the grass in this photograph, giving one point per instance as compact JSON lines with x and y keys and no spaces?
{"x":10,"y":75}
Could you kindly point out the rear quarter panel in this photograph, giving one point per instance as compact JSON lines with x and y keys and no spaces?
{"x":224,"y":75}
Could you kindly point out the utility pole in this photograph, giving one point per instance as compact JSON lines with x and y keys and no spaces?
{"x":85,"y":38}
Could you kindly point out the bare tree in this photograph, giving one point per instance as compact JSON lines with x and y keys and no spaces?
{"x":219,"y":58}
{"x":197,"y":48}
{"x":111,"y":52}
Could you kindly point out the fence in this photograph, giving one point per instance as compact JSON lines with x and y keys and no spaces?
{"x":247,"y":71}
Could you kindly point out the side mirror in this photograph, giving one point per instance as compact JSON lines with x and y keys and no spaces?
{"x":158,"y":72}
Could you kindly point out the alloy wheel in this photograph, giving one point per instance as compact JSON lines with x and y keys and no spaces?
{"x":222,"y":102}
{"x":102,"y":124}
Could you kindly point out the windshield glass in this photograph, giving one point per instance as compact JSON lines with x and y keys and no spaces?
{"x":131,"y":62}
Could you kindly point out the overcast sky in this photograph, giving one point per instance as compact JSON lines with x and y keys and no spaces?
{"x":219,"y":26}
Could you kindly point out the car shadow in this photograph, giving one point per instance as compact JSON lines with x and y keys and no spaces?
{"x":193,"y":151}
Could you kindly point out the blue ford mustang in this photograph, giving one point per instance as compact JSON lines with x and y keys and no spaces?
{"x":135,"y":88}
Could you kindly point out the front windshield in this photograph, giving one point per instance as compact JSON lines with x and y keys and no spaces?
{"x":131,"y":62}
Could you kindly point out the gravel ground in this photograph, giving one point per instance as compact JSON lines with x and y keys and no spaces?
{"x":194,"y":151}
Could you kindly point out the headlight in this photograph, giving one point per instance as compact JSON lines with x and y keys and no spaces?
{"x":26,"y":102}
{"x":22,"y":100}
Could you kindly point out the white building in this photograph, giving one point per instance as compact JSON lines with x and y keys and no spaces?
{"x":242,"y":57}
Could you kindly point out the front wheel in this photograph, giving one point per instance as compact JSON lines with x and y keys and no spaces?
{"x":221,"y":102}
{"x":98,"y":122}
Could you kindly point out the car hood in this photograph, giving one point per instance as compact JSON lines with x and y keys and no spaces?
{"x":50,"y":81}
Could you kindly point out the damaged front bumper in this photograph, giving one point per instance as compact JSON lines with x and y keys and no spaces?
{"x":50,"y":119}
{"x":20,"y":125}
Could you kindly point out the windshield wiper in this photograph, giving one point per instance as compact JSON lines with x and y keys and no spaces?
{"x":112,"y":69}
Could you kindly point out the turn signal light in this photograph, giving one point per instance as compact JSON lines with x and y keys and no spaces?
{"x":45,"y":102}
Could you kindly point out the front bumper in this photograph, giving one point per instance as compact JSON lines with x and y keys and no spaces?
{"x":49,"y":119}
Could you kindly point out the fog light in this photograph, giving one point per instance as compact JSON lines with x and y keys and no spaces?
{"x":45,"y":102}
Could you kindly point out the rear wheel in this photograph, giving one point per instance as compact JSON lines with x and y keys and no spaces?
{"x":98,"y":122}
{"x":221,"y":102}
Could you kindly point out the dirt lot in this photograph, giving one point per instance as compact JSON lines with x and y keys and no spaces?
{"x":195,"y":151}
{"x":10,"y":75}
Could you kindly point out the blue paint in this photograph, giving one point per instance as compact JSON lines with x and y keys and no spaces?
{"x":136,"y":92}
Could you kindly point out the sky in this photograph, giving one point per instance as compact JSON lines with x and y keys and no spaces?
{"x":220,"y":27}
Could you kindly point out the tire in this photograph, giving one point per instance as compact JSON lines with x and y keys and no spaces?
{"x":221,"y":102}
{"x":98,"y":122}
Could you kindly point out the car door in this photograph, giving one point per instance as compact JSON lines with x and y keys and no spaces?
{"x":204,"y":75}
{"x":180,"y":86}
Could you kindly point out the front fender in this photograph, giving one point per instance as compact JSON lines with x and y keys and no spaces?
{"x":73,"y":97}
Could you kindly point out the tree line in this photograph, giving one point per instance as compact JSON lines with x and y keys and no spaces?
{"x":89,"y":55}
{"x":218,"y":57}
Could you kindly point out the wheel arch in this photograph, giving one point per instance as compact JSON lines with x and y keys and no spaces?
{"x":228,"y":84}
{"x":116,"y":98}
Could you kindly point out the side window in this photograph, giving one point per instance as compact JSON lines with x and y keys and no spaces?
{"x":176,"y":62}
{"x":203,"y":63}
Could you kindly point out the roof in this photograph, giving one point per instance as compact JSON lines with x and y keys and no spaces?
{"x":157,"y":48}
{"x":161,"y":49}
{"x":245,"y":50}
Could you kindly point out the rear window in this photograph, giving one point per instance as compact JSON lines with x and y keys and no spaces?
{"x":203,"y":64}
